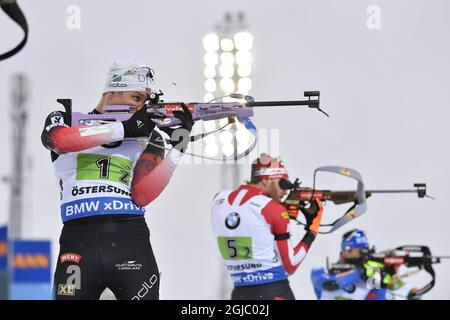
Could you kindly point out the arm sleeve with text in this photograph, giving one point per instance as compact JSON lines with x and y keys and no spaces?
{"x":58,"y":137}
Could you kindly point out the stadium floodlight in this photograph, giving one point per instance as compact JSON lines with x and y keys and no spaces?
{"x":243,"y":40}
{"x":211,"y":149}
{"x":227,"y":58}
{"x":228,"y":149}
{"x":211,"y":58}
{"x":244,"y":85}
{"x":228,"y":62}
{"x":228,"y":69}
{"x":244,"y":70}
{"x":211,"y":42}
{"x":210,"y":85}
{"x":227,"y":85}
{"x":210,"y":139}
{"x":243,"y":136}
{"x":209,"y":71}
{"x":227,"y":44}
{"x":226,"y":137}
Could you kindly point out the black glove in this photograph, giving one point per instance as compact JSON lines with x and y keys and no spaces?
{"x":330,"y":285}
{"x":313,"y":215}
{"x":180,"y":137}
{"x":139,"y":125}
{"x":412,"y":295}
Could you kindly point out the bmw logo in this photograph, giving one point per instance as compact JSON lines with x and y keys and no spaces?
{"x":232,"y":221}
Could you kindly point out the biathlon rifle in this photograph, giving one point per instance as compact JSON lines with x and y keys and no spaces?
{"x":410,"y":256}
{"x":300,"y":197}
{"x":241,"y":110}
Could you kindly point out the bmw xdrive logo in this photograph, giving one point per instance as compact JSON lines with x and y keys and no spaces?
{"x":232,"y":221}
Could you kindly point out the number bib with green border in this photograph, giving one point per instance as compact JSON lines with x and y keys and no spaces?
{"x":245,"y":241}
{"x":97,"y":181}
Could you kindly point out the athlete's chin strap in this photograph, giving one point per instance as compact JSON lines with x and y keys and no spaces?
{"x":12,"y":9}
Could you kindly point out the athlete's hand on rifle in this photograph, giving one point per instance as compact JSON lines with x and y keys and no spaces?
{"x":378,"y":274}
{"x":292,"y":210}
{"x":140,"y":124}
{"x":180,"y":137}
{"x":412,"y":295}
{"x":313,"y":215}
{"x":331,"y":285}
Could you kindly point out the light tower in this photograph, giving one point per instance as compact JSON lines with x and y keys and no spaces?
{"x":228,"y":69}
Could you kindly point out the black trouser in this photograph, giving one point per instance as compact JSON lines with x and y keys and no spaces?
{"x":99,"y":252}
{"x":279,"y":290}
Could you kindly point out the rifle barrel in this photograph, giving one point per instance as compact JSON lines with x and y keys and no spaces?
{"x":367,"y":191}
{"x":393,"y":191}
{"x":310,"y":103}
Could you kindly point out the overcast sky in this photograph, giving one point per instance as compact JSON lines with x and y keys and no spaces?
{"x":387,"y":91}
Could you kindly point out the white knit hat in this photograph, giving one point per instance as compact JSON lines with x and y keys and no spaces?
{"x":129,"y":77}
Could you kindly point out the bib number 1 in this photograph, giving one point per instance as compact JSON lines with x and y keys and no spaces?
{"x":103,"y":167}
{"x":103,"y":164}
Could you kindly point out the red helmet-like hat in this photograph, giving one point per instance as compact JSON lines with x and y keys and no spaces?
{"x":266,"y":167}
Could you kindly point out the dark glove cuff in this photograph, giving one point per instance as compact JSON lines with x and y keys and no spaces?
{"x":309,"y":238}
{"x":126,"y":130}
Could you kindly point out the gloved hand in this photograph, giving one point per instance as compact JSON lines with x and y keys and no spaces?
{"x":140,"y":124}
{"x":331,"y":285}
{"x":292,"y":210}
{"x":412,"y":295}
{"x":180,"y":137}
{"x":377,"y":275}
{"x":313,"y":215}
